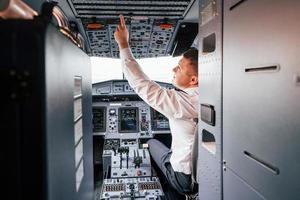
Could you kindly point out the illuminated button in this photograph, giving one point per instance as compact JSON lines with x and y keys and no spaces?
{"x":112,"y":111}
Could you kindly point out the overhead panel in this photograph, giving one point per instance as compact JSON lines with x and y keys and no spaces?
{"x":151,"y":25}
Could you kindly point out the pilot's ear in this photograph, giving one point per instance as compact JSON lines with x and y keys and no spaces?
{"x":194,"y":80}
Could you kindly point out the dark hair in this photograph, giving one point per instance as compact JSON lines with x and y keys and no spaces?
{"x":192,"y":55}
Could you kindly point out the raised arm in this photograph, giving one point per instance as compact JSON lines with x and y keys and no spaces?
{"x":171,"y":103}
{"x":121,"y":34}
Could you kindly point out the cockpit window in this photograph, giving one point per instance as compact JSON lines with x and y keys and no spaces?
{"x":158,"y":69}
{"x":104,"y":69}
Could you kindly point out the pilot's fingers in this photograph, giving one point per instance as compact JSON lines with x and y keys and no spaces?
{"x":122,"y":21}
{"x":118,"y":28}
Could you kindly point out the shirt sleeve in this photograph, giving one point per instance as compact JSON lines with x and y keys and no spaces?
{"x":171,"y":103}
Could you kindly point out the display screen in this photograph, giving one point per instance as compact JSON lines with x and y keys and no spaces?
{"x":159,"y":122}
{"x":128,"y":120}
{"x":99,"y":119}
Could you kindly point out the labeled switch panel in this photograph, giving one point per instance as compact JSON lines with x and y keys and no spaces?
{"x":147,"y":37}
{"x":151,"y":25}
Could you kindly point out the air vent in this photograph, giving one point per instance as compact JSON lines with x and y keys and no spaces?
{"x":112,"y":8}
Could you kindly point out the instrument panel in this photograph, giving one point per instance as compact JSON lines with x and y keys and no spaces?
{"x":132,"y":188}
{"x":119,"y":113}
{"x":126,"y":123}
{"x":118,"y":87}
{"x":128,"y":119}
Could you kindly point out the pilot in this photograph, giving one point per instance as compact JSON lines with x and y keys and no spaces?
{"x":179,"y":106}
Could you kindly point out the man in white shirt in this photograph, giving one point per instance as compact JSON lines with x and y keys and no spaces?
{"x":180,"y":107}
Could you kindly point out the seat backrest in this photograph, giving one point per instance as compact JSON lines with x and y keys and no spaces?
{"x":195,"y":157}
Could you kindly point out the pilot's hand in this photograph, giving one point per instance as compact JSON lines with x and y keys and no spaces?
{"x":121,"y":34}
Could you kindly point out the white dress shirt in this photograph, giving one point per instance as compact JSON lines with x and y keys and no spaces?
{"x":180,"y":107}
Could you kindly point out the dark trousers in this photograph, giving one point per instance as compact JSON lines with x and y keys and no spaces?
{"x":180,"y":183}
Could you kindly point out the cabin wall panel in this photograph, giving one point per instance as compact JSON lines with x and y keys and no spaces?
{"x":68,"y":154}
{"x":210,"y":87}
{"x":239,"y":188}
{"x":37,"y":78}
{"x":261,"y":96}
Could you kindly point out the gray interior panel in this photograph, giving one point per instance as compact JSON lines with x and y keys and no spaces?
{"x":209,"y":174}
{"x":236,"y":188}
{"x":44,"y":75}
{"x":69,"y":166}
{"x":210,"y":73}
{"x":261,"y":95}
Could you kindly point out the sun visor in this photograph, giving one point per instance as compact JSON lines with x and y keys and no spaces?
{"x":186,"y":37}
